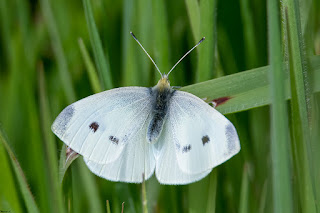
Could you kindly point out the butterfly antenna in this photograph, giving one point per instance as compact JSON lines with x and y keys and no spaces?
{"x":135,"y":38}
{"x":186,"y":54}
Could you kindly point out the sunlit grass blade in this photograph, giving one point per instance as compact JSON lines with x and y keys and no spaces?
{"x":282,"y":198}
{"x":246,"y":90}
{"x":25,"y":191}
{"x":50,"y":148}
{"x":58,"y":50}
{"x":93,"y":77}
{"x":101,"y":59}
{"x":108,"y":206}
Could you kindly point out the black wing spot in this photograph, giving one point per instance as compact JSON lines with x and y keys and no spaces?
{"x":186,"y":148}
{"x":205,"y":140}
{"x":94,"y":126}
{"x":114,"y":140}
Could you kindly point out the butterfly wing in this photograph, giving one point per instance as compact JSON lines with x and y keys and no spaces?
{"x":136,"y":159}
{"x":203,"y":137}
{"x":100,"y":126}
{"x":167,"y":168}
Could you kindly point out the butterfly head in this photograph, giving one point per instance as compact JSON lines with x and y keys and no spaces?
{"x":163,"y":83}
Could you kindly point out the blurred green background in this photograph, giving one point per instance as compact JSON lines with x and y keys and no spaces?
{"x":261,"y":54}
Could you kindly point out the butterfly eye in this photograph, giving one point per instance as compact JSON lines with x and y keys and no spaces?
{"x":205,"y":140}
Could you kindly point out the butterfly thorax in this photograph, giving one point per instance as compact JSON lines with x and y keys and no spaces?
{"x":161,"y":95}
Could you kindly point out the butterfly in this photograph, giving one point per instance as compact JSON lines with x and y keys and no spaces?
{"x":129,"y":133}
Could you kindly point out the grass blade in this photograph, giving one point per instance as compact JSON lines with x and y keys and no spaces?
{"x":58,"y":50}
{"x":212,"y":192}
{"x":131,"y":73}
{"x":25,"y":191}
{"x":207,"y":50}
{"x":100,"y":59}
{"x":193,"y":9}
{"x":249,"y":32}
{"x":8,"y":191}
{"x":161,"y":36}
{"x":50,"y":148}
{"x":244,"y":196}
{"x":93,"y":77}
{"x":282,"y":200}
{"x":247,"y":89}
{"x":300,"y":107}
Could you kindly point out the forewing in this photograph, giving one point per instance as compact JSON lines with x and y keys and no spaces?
{"x":167,"y":169}
{"x":203,"y":137}
{"x":100,"y":126}
{"x":135,"y":160}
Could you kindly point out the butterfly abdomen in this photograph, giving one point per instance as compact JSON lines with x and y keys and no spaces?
{"x":161,"y":99}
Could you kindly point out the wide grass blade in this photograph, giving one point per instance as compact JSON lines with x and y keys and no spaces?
{"x":245,"y":90}
{"x":101,"y":60}
{"x":25,"y":190}
{"x":280,"y":151}
{"x":300,"y":106}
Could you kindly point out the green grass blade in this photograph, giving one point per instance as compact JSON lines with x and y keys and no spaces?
{"x":205,"y":70}
{"x":193,"y":9}
{"x":100,"y":58}
{"x":300,"y":107}
{"x":93,"y":77}
{"x":90,"y":187}
{"x":131,"y":73}
{"x":212,"y":192}
{"x":249,"y":31}
{"x":144,"y":10}
{"x":161,"y":36}
{"x":247,"y":89}
{"x":25,"y":191}
{"x":9,"y":191}
{"x":282,"y":200}
{"x":50,"y":148}
{"x":58,"y":50}
{"x":244,"y":194}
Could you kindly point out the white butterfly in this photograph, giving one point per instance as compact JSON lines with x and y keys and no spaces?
{"x":129,"y":132}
